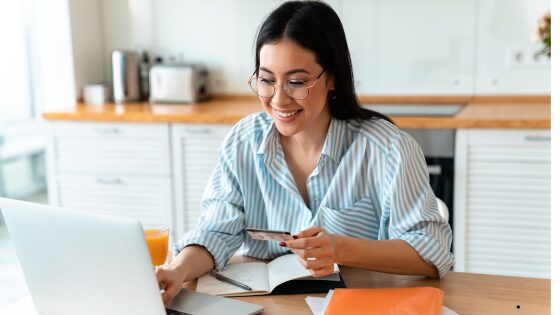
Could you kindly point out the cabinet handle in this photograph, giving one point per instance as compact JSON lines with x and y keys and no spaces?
{"x":204,"y":131}
{"x":105,"y":130}
{"x":537,"y":138}
{"x":434,"y":169}
{"x":109,"y":180}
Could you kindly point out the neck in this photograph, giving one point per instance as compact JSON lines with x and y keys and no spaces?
{"x":310,"y":140}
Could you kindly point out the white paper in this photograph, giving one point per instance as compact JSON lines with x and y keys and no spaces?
{"x":252,"y":274}
{"x":447,"y":311}
{"x":316,"y":304}
{"x":287,"y":267}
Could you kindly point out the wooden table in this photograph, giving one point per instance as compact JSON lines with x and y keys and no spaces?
{"x":464,"y":293}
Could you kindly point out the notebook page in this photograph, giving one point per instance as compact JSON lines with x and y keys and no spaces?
{"x":252,"y":274}
{"x":285,"y":268}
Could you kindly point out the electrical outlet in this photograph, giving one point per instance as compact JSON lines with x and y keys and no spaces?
{"x":526,"y":57}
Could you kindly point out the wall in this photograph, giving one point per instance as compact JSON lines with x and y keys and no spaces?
{"x":87,"y":42}
{"x":441,"y":47}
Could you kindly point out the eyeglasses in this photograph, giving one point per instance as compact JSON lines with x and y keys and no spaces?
{"x":296,"y":89}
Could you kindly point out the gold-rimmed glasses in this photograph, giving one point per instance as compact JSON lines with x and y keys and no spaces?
{"x":296,"y":89}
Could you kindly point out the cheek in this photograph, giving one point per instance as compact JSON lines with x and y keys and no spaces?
{"x":315,"y":103}
{"x":265,"y":102}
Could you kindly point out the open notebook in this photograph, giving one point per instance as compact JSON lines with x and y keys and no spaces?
{"x":264,"y":278}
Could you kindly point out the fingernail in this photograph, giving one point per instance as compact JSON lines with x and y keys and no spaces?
{"x":283,"y":244}
{"x":295,"y":237}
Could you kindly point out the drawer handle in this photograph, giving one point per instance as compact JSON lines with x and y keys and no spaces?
{"x":537,"y":138}
{"x":109,"y":180}
{"x":204,"y":131}
{"x":434,"y":169}
{"x":106,"y":131}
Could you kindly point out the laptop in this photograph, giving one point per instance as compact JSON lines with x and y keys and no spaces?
{"x":76,"y":262}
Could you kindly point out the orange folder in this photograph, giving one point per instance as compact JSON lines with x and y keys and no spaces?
{"x":394,"y":301}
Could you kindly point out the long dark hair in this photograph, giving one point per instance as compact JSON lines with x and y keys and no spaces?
{"x":316,"y":26}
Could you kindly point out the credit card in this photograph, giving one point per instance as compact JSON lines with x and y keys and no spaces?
{"x":269,"y":235}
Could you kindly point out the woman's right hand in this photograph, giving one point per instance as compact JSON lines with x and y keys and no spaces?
{"x":170,"y":282}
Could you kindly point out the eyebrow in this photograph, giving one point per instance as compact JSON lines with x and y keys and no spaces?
{"x":298,"y":70}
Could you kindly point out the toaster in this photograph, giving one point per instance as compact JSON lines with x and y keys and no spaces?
{"x":178,"y":83}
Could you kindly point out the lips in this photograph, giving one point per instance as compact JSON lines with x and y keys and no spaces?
{"x":286,"y":114}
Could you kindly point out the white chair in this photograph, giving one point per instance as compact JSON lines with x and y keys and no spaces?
{"x":443,"y":211}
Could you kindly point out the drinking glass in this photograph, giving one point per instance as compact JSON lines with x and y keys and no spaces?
{"x":157,"y":239}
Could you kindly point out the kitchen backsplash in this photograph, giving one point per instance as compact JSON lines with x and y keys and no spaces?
{"x":405,"y":47}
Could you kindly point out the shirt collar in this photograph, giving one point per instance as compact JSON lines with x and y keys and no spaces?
{"x":334,"y":146}
{"x":269,"y":139}
{"x":335,"y":141}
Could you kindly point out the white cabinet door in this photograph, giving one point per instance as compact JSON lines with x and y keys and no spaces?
{"x":195,"y":155}
{"x":120,"y":169}
{"x":147,"y":199}
{"x":111,"y":148}
{"x":502,"y":202}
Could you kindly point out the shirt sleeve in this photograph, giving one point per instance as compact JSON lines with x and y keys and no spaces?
{"x":221,"y":225}
{"x":410,"y":210}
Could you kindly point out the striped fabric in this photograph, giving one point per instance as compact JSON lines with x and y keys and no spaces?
{"x":371,"y":182}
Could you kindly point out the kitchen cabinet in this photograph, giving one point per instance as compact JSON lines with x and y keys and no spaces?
{"x":119,"y":169}
{"x":502,"y":202}
{"x":195,"y":155}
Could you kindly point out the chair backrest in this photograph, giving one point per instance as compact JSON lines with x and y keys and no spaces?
{"x":443,"y":211}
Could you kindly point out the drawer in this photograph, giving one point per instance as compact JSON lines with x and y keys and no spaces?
{"x":111,"y":129}
{"x":147,"y":199}
{"x":124,"y":149}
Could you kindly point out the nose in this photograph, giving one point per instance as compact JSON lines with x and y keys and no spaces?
{"x":280,"y":97}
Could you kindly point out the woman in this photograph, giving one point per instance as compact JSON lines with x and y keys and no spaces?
{"x":351,"y":186}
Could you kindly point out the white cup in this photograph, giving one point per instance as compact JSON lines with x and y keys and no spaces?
{"x":95,"y":94}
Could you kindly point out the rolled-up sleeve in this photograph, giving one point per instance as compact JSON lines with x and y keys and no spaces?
{"x":221,"y":225}
{"x":410,"y":209}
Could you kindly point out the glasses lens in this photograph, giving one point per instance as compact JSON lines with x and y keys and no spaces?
{"x":253,"y":85}
{"x":296,"y":90}
{"x":262,"y":87}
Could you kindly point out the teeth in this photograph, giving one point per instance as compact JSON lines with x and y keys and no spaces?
{"x":286,"y":115}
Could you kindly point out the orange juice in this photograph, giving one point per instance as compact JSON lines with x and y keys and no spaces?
{"x":157,"y":241}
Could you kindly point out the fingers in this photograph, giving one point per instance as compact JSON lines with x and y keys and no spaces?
{"x":318,"y":267}
{"x":318,"y":252}
{"x":309,"y":242}
{"x":169,"y":282}
{"x":309,"y":232}
{"x":322,"y":272}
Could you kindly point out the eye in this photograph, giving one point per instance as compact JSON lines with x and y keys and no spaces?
{"x":297,"y":83}
{"x":266,"y":81}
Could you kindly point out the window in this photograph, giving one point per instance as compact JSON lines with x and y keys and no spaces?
{"x":15,"y":91}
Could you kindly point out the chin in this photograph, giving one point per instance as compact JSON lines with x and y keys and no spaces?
{"x":286,"y":131}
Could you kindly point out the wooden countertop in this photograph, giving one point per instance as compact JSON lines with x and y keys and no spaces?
{"x":482,"y":112}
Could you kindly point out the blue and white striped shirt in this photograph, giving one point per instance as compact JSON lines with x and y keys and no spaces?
{"x":371,"y":182}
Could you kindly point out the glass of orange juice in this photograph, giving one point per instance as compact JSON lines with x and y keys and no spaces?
{"x":157,"y":239}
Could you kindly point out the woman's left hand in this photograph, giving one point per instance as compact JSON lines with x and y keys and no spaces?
{"x":316,"y":250}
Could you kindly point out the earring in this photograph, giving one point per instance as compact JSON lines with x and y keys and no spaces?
{"x":332,"y":94}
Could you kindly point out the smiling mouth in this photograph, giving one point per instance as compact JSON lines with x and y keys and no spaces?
{"x":287,"y":114}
